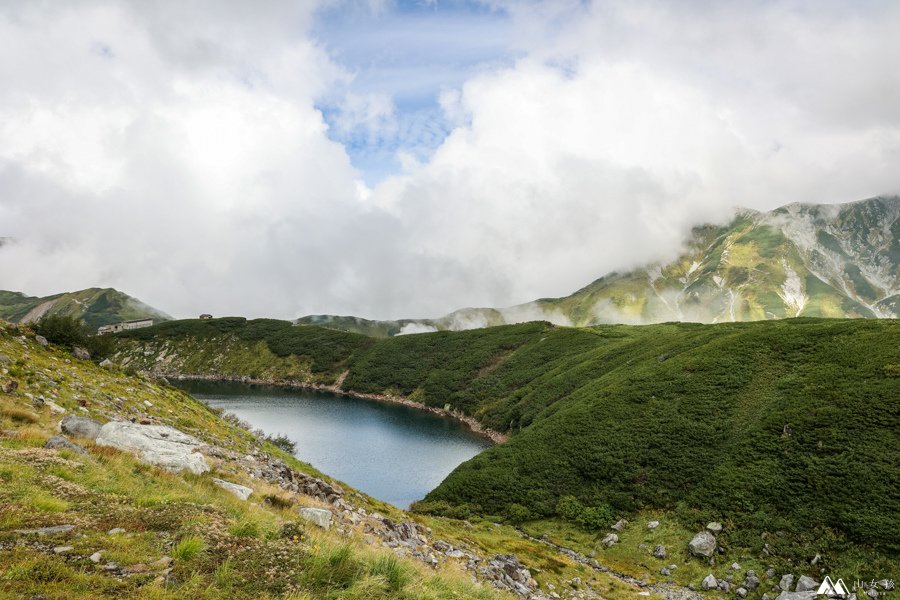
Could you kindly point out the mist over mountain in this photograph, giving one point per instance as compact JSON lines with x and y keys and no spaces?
{"x":800,"y":260}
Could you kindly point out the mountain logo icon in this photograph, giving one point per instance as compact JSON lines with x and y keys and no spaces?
{"x":833,"y":589}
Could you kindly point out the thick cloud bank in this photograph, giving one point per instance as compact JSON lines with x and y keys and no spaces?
{"x":175,"y":151}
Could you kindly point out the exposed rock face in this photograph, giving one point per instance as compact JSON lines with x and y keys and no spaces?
{"x":505,"y":571}
{"x":703,"y":544}
{"x":317,"y":516}
{"x":58,"y":442}
{"x":241,"y":491}
{"x":155,"y":444}
{"x":80,"y":427}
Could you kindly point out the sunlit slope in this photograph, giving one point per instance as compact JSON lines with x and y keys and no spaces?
{"x":787,"y":425}
{"x":95,"y":305}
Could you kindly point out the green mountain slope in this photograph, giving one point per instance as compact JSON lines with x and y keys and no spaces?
{"x":96,"y":306}
{"x":839,"y":261}
{"x":751,"y":423}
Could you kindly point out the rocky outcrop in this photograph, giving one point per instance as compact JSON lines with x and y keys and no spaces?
{"x":81,"y":353}
{"x":80,"y":427}
{"x":158,"y":445}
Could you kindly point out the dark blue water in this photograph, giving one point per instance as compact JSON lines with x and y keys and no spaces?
{"x":391,"y":452}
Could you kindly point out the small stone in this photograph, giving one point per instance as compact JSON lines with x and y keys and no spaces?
{"x":55,"y":408}
{"x":106,"y":363}
{"x":816,"y":559}
{"x":660,"y":552}
{"x":95,"y":557}
{"x":741,"y":592}
{"x":665,"y":571}
{"x":620,"y":525}
{"x":111,"y":566}
{"x":735,"y":566}
{"x":609,"y":540}
{"x":714,"y":527}
{"x":160,"y":564}
{"x":652,"y":524}
{"x":41,"y":340}
{"x":148,"y":404}
{"x":770,"y":573}
{"x":709,"y":582}
{"x":115,"y":531}
{"x":62,"y":549}
{"x":81,"y":353}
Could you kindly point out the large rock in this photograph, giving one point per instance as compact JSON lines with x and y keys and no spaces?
{"x":805,"y":584}
{"x":158,"y":445}
{"x":709,"y":582}
{"x":81,"y":353}
{"x":80,"y":427}
{"x":241,"y":491}
{"x":609,"y":540}
{"x":317,"y":516}
{"x":58,"y":442}
{"x":703,"y":544}
{"x":659,"y":552}
{"x":41,"y":340}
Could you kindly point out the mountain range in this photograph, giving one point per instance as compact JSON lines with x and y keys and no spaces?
{"x":800,"y":260}
{"x":811,"y":260}
{"x":96,"y":306}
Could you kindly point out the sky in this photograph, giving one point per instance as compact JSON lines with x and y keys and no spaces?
{"x":404,"y":159}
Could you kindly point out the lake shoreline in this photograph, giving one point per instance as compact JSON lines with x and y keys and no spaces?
{"x":494,"y":436}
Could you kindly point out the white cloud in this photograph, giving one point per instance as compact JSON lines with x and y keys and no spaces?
{"x":175,"y":152}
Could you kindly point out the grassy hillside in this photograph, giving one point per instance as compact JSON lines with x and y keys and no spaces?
{"x":219,"y":546}
{"x":95,"y":306}
{"x":751,"y":423}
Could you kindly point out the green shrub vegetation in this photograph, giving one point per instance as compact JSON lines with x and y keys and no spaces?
{"x":70,"y":331}
{"x":783,"y":426}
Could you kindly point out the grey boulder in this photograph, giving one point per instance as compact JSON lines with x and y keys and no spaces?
{"x":609,"y":540}
{"x":709,"y":582}
{"x":659,"y":552}
{"x":41,"y":340}
{"x":81,"y":353}
{"x":158,"y":445}
{"x":805,"y":584}
{"x":58,"y":442}
{"x":241,"y":491}
{"x":703,"y":544}
{"x":80,"y":427}
{"x":317,"y":516}
{"x":786,"y":582}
